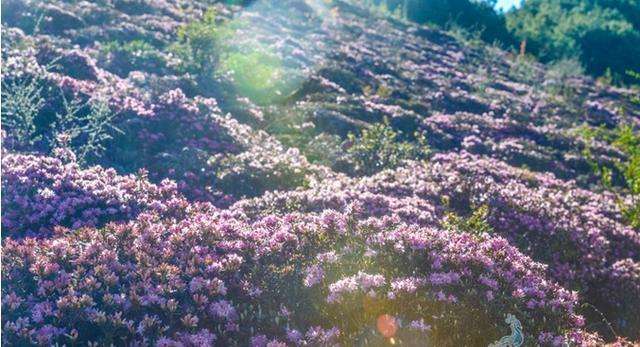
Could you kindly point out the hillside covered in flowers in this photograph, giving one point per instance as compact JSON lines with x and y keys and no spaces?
{"x":306,"y":172}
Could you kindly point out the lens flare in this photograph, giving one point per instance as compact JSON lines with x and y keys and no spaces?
{"x":387,"y":325}
{"x":266,"y":62}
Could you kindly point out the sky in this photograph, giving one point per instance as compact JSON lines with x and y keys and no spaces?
{"x":507,"y":4}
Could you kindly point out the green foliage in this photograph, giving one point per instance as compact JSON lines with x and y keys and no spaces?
{"x":560,"y":71}
{"x":469,"y":36}
{"x":379,"y":147}
{"x":475,"y":224}
{"x":601,"y":33}
{"x":199,"y":45}
{"x":81,"y":126}
{"x":205,"y":49}
{"x":626,"y":139}
{"x":21,"y":102}
{"x":382,"y":8}
{"x":589,"y":135}
{"x":634,"y":74}
{"x":247,"y":176}
{"x":122,"y":58}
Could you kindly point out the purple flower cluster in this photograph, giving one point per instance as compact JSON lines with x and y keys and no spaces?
{"x":167,"y":133}
{"x":363,"y":282}
{"x":176,"y":142}
{"x":41,"y":193}
{"x":166,"y":280}
{"x":578,"y":233}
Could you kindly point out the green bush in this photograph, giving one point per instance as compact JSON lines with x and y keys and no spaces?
{"x":199,"y":45}
{"x":251,"y":175}
{"x":324,"y":149}
{"x":524,"y":70}
{"x":381,"y":7}
{"x":379,"y":147}
{"x":475,"y":224}
{"x":636,"y":76}
{"x":626,"y":139}
{"x":558,"y":84}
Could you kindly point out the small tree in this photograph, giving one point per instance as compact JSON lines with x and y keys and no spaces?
{"x":198,"y":46}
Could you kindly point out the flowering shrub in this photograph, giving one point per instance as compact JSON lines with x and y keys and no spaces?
{"x":45,"y":102}
{"x":619,"y":292}
{"x":175,"y":143}
{"x":169,"y":135}
{"x":41,"y":193}
{"x":297,"y":279}
{"x":530,"y":210}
